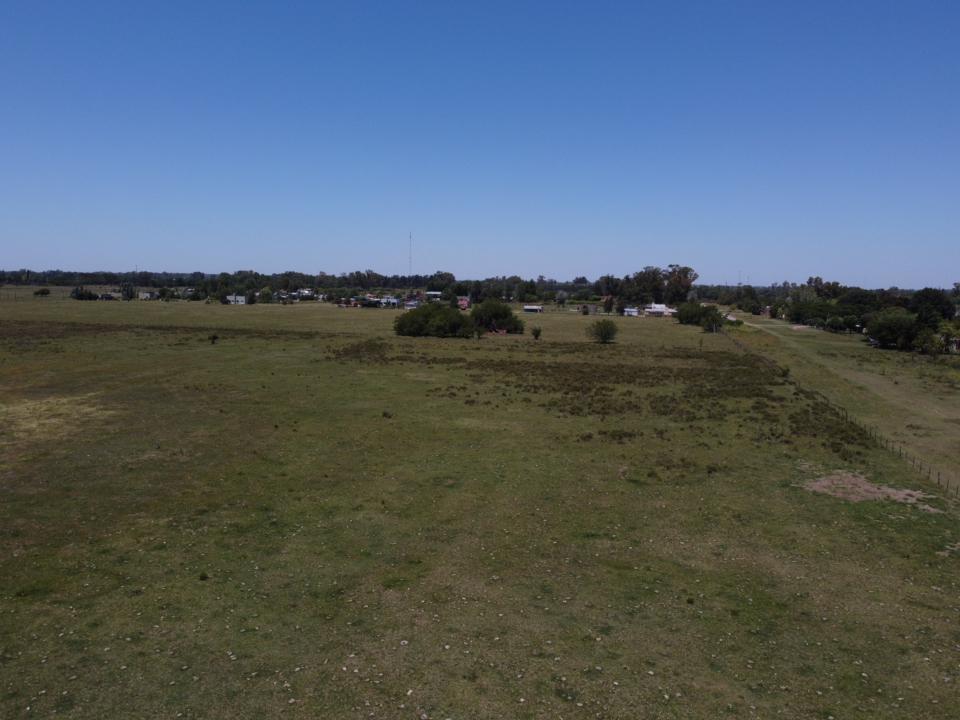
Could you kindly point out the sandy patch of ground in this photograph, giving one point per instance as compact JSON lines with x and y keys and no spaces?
{"x":799,"y":327}
{"x":856,"y":488}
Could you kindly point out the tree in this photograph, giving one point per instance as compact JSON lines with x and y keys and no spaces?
{"x":893,"y":328}
{"x":711,"y":319}
{"x":836,"y":324}
{"x":266,"y":295}
{"x":496,"y":316}
{"x":929,"y":342}
{"x":608,"y":304}
{"x":679,"y":281}
{"x":690,"y":313}
{"x":251,"y":297}
{"x":603,"y":331}
{"x":931,"y":306}
{"x":441,"y":280}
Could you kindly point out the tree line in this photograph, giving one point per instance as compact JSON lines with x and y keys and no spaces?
{"x":652,"y":284}
{"x":924,"y":320}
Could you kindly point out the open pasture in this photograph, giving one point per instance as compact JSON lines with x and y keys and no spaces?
{"x":913,"y":399}
{"x":311,"y":517}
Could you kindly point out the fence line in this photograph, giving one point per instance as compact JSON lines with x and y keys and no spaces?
{"x":921,"y":465}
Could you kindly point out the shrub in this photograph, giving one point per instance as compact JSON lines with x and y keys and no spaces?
{"x":434,"y":320}
{"x":836,"y":324}
{"x":603,"y":331}
{"x":690,"y":313}
{"x":711,"y":319}
{"x":496,"y":316}
{"x":42,"y":292}
{"x":536,"y":330}
{"x":81,"y":293}
{"x":929,"y":342}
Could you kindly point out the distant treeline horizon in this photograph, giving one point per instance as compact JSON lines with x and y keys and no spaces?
{"x":647,"y":281}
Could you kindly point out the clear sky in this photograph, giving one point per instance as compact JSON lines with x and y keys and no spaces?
{"x":756,"y":140}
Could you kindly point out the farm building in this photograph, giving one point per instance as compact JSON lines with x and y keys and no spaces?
{"x":533,"y":308}
{"x":658,"y":310}
{"x":147,"y":295}
{"x":236,"y":300}
{"x":631,"y":312}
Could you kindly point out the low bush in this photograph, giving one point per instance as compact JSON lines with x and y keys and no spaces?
{"x":81,"y":293}
{"x":434,"y":320}
{"x":603,"y":331}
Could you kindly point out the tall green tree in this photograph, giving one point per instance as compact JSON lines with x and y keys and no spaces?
{"x":680,"y":279}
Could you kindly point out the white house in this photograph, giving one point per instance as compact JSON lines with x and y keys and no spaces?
{"x":658,"y":310}
{"x":631,"y":312}
{"x":533,"y":308}
{"x":146,"y":295}
{"x":236,"y":300}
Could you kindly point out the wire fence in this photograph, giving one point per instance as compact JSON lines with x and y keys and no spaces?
{"x":947,"y":481}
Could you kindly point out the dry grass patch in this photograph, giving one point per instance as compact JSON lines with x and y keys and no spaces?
{"x":51,"y":418}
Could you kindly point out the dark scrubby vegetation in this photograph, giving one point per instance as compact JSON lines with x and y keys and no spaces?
{"x":369,"y":350}
{"x":495,"y":316}
{"x":603,"y":331}
{"x":708,"y":317}
{"x":434,"y":320}
{"x":81,"y":293}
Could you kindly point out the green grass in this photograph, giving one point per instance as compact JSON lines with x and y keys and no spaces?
{"x":314,"y":510}
{"x":912,"y":399}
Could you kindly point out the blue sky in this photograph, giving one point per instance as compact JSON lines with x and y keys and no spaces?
{"x":763,"y":140}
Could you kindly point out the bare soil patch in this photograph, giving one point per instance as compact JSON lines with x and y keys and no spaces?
{"x":856,"y":488}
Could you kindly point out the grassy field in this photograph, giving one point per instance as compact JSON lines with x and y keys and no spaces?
{"x":314,"y":518}
{"x":912,"y":399}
